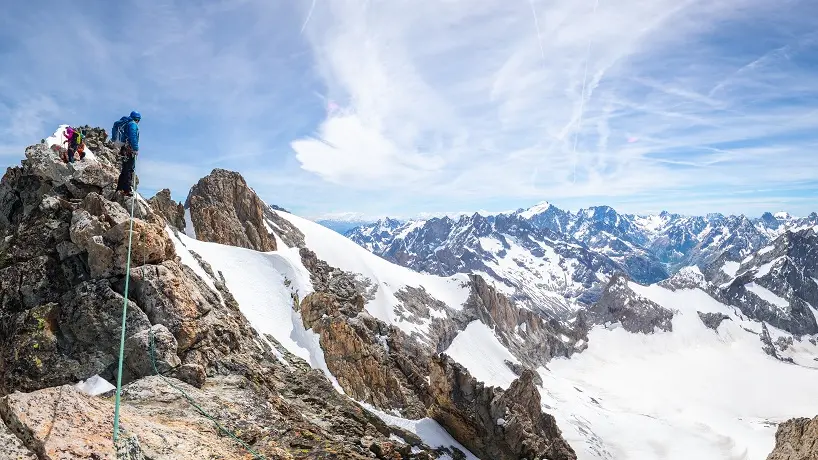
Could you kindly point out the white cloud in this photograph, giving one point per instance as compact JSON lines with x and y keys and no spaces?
{"x":433,"y":105}
{"x":481,"y":99}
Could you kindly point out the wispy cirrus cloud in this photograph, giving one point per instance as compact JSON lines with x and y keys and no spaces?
{"x":405,"y":107}
{"x":452,"y":99}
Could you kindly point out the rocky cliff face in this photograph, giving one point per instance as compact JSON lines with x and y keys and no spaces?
{"x":619,"y":303}
{"x":63,"y":250}
{"x":225,"y":210}
{"x":381,"y":365}
{"x":777,"y":284}
{"x":171,"y":211}
{"x":494,"y":423}
{"x":796,"y":439}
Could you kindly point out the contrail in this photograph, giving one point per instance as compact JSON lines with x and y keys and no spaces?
{"x":582,"y":98}
{"x":309,"y":15}
{"x":537,"y":25}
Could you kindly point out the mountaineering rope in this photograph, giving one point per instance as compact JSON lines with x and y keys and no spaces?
{"x":582,"y":97}
{"x":124,"y":310}
{"x":256,"y":455}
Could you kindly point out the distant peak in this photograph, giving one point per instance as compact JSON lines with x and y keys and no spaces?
{"x":538,"y":208}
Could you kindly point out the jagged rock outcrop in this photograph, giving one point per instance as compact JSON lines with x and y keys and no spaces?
{"x":387,"y":368}
{"x":687,"y":278}
{"x":528,"y":335}
{"x":224,"y":209}
{"x":492,"y":423}
{"x":712,"y":320}
{"x":171,"y":211}
{"x":288,"y":233}
{"x":769,"y":347}
{"x":357,"y":346}
{"x":796,"y":439}
{"x":619,"y":303}
{"x":777,"y":284}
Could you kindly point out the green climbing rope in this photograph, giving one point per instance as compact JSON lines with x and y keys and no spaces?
{"x":124,"y":314}
{"x":256,"y":455}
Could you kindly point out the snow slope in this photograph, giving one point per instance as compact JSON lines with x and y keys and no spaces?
{"x":263,"y":284}
{"x":257,"y":281}
{"x":426,"y":429}
{"x":478,"y":350}
{"x":543,"y":275}
{"x":689,"y":393}
{"x":341,"y":252}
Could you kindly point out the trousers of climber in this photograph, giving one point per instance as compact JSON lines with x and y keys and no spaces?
{"x":129,"y":152}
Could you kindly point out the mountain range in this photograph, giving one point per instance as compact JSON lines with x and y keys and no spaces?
{"x":531,"y":334}
{"x":555,"y":261}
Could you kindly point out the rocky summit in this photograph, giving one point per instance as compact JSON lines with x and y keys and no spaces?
{"x":225,"y":210}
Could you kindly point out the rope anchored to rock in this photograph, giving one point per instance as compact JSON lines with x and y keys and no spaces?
{"x":124,"y":319}
{"x":117,"y":404}
{"x":192,"y":402}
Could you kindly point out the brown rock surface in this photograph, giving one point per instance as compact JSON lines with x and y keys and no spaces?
{"x":796,"y":439}
{"x":492,"y":423}
{"x":64,"y":423}
{"x":171,"y":211}
{"x":224,"y":209}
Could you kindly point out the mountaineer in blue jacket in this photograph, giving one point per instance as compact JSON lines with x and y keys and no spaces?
{"x":129,"y":151}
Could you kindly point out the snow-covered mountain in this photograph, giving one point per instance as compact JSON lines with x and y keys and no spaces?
{"x":548,"y":258}
{"x":675,"y":369}
{"x":534,"y":265}
{"x":777,"y":284}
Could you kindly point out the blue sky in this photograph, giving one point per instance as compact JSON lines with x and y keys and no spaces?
{"x":374,"y":107}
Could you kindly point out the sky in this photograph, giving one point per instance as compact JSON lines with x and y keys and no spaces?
{"x":366,"y":108}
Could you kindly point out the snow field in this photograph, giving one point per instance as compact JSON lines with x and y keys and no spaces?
{"x":730,"y":268}
{"x":767,"y":295}
{"x":477,"y":349}
{"x":536,"y":209}
{"x":689,"y":393}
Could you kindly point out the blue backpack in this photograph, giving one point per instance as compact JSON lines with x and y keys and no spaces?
{"x":118,"y":135}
